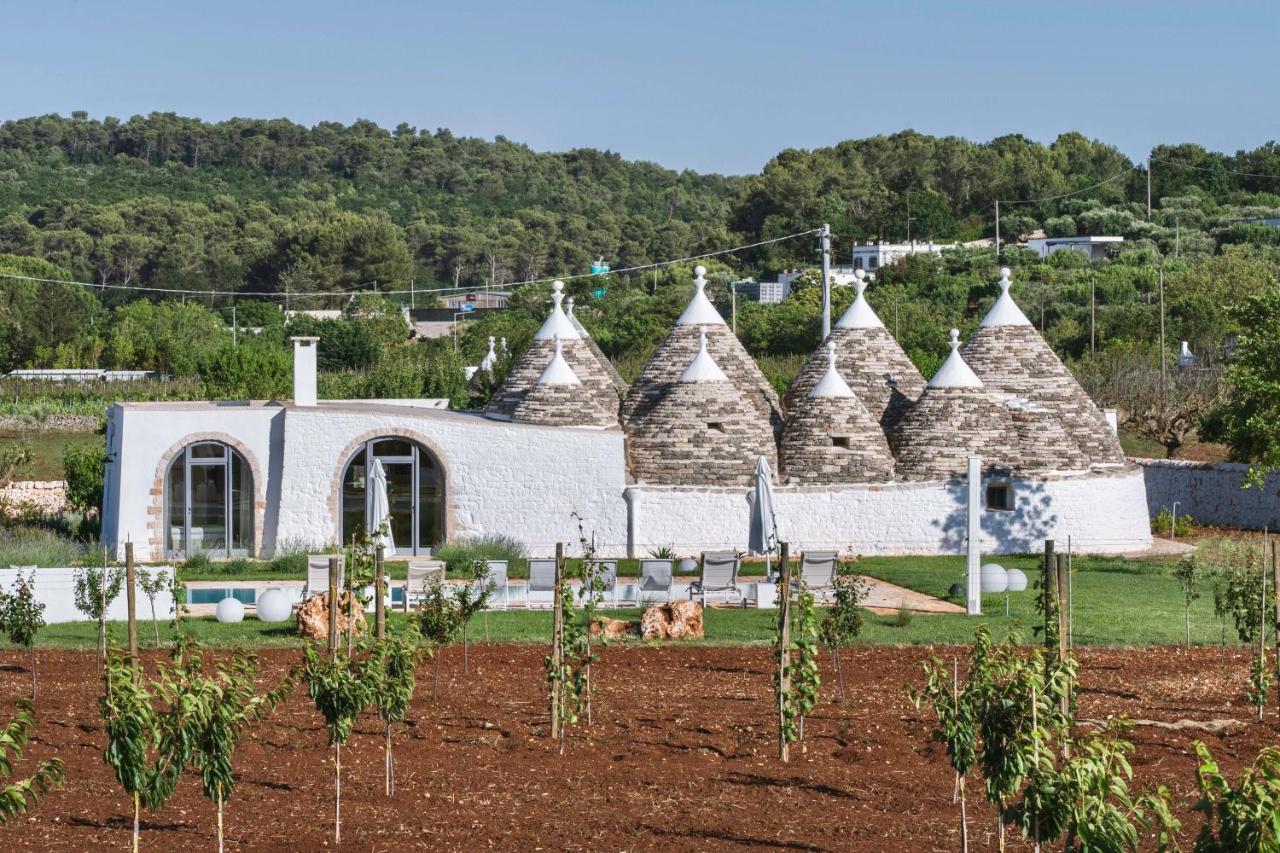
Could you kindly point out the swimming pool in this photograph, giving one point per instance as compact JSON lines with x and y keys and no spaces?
{"x":212,"y":595}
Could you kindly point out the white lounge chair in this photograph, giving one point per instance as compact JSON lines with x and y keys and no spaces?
{"x":542,"y":578}
{"x":655,"y":578}
{"x":719,"y":575}
{"x":420,"y":574}
{"x":607,"y":572}
{"x":495,"y":572}
{"x":318,"y":574}
{"x":818,"y":568}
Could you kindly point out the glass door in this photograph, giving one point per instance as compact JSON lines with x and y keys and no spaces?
{"x":404,"y":509}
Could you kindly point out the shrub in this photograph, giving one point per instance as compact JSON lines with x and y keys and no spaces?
{"x":34,"y":546}
{"x":1163,"y":521}
{"x":198,"y":564}
{"x":85,"y":466}
{"x":290,"y":562}
{"x":462,"y":554}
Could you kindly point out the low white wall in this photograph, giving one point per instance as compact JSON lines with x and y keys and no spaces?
{"x":1103,"y":513}
{"x":55,"y":589}
{"x":1212,"y":493}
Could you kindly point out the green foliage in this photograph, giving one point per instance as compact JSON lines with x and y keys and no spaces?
{"x":843,"y":621}
{"x":132,"y":727}
{"x":1189,"y":574}
{"x":394,"y":663}
{"x":1259,"y":685}
{"x":85,"y":466}
{"x":956,"y":705}
{"x":38,"y":546}
{"x":461,"y":554}
{"x":20,"y":797}
{"x":15,"y":461}
{"x":1163,"y":523}
{"x":802,"y":669}
{"x":95,"y":589}
{"x":1244,"y":816}
{"x":257,"y":368}
{"x":439,"y":617}
{"x":21,"y":616}
{"x":339,"y":690}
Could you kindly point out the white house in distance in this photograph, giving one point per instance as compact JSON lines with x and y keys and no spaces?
{"x":873,"y":255}
{"x":875,"y":466}
{"x":1093,"y":248}
{"x":773,"y":292}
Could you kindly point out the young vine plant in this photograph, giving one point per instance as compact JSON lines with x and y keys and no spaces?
{"x":17,"y":798}
{"x":341,"y":692}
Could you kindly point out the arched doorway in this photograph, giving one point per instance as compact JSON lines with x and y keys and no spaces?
{"x":208,"y":502}
{"x":415,"y":490}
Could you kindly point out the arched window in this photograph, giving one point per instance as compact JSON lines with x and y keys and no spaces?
{"x":209,"y":502}
{"x":415,"y":493}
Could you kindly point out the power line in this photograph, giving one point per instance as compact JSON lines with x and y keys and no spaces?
{"x":347,"y":292}
{"x":1213,"y":170}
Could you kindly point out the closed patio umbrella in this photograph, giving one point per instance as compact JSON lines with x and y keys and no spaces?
{"x":381,"y":513}
{"x":763,"y":532}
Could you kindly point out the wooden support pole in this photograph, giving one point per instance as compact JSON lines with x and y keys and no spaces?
{"x":784,"y":645}
{"x":131,"y":590}
{"x":1049,"y":591}
{"x":1062,"y":606}
{"x":334,"y":563}
{"x":379,"y":606}
{"x":557,"y":639}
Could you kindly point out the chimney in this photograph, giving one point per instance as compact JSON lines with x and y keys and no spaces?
{"x":304,"y":371}
{"x":1112,"y":420}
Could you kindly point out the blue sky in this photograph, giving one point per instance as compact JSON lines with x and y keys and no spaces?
{"x":712,"y":86}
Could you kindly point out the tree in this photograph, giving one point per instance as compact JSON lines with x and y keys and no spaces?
{"x":1241,"y":816}
{"x":394,"y":664}
{"x":439,"y":622}
{"x":152,"y":585}
{"x":1247,"y":419}
{"x":22,"y":617}
{"x":18,"y":798}
{"x":95,"y":589}
{"x":843,"y":622}
{"x":1188,"y":575}
{"x":341,"y":691}
{"x":85,"y":466}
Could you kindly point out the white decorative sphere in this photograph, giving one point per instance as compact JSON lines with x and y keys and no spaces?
{"x":274,"y":606}
{"x":860,"y":273}
{"x":1005,"y":272}
{"x":994,"y":578}
{"x":230,"y":610}
{"x":1017,"y":580}
{"x":699,"y":270}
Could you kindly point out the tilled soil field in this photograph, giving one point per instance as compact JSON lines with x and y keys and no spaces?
{"x":681,"y":756}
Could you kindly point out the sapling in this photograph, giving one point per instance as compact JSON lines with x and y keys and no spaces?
{"x":132,"y":729}
{"x":470,"y":600}
{"x":19,"y":797}
{"x":152,"y":585}
{"x":843,"y":622}
{"x":1244,"y":816}
{"x":393,"y":665}
{"x":806,"y":680}
{"x":95,"y":588}
{"x":590,"y":597}
{"x":439,"y":622}
{"x":340,"y":692}
{"x":1188,"y":574}
{"x":23,"y":617}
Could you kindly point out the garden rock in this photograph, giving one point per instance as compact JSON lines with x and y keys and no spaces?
{"x":674,"y":621}
{"x":313,"y":616}
{"x":614,"y":629}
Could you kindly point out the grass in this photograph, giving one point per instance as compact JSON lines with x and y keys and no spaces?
{"x":47,"y":449}
{"x":1119,"y":602}
{"x":38,"y":546}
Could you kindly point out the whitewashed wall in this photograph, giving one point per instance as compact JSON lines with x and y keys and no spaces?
{"x":1102,"y":513}
{"x":513,"y":479}
{"x":55,"y":589}
{"x":1211,"y":493}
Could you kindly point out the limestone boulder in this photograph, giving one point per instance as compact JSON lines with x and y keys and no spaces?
{"x":614,"y":629}
{"x":313,"y":616}
{"x":675,"y":621}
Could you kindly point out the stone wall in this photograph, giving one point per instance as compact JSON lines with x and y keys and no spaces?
{"x":1211,"y":493}
{"x":49,"y":496}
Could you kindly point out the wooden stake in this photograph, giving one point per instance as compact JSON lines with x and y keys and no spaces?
{"x":333,"y":608}
{"x":557,"y":651}
{"x":784,"y":644}
{"x":1049,"y":591}
{"x":379,"y":613}
{"x":130,"y":580}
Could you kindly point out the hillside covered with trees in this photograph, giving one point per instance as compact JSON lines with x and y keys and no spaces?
{"x":247,"y":207}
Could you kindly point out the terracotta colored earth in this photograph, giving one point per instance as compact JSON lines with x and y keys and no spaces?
{"x":681,"y":756}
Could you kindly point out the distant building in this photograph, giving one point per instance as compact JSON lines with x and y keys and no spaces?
{"x":873,"y":255}
{"x":91,"y":374}
{"x":477,"y":300}
{"x":773,"y":292}
{"x":1093,"y":248}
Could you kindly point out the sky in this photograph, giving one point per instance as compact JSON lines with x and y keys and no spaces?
{"x":710,"y":86}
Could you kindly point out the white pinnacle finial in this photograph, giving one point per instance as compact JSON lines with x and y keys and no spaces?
{"x":557,"y":322}
{"x":700,"y":311}
{"x":703,"y":368}
{"x":570,"y":304}
{"x":831,"y":384}
{"x":490,"y":359}
{"x":955,"y":373}
{"x":859,"y":315}
{"x":558,"y":371}
{"x":504,"y":344}
{"x":1005,"y":312}
{"x":491,"y":342}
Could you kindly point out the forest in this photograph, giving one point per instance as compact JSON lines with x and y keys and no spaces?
{"x":261,"y":213}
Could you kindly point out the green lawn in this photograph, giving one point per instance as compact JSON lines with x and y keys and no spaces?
{"x":517,"y":569}
{"x":47,"y":449}
{"x":1118,"y":602}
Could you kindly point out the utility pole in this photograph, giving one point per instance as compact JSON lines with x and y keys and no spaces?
{"x":1093,"y":314}
{"x":997,"y":232}
{"x":1148,"y":188}
{"x":826,"y":281}
{"x":909,"y":218}
{"x":1164,"y":377}
{"x":733,"y":297}
{"x":233,"y":325}
{"x":412,"y":296}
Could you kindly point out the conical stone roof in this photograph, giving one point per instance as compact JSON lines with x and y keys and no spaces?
{"x":559,"y":398}
{"x":830,"y":437}
{"x":1011,"y":358}
{"x":524,"y":374}
{"x":681,"y":345}
{"x":870,"y":360}
{"x":701,"y":431}
{"x":612,"y":372}
{"x":957,"y":416}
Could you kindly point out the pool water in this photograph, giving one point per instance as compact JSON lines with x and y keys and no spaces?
{"x":212,"y":595}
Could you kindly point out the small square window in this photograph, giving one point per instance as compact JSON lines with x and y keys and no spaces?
{"x":715,"y":426}
{"x":1000,"y":496}
{"x":872,"y":263}
{"x":842,"y":441}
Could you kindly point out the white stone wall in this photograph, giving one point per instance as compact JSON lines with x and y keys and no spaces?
{"x":1102,"y":513}
{"x":517,"y":480}
{"x":1211,"y":493}
{"x":55,"y":589}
